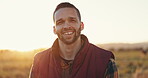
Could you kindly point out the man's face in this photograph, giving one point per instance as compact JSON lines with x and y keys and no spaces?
{"x":67,"y":25}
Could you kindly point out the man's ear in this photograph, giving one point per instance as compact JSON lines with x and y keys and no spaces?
{"x":54,"y":30}
{"x":82,"y":26}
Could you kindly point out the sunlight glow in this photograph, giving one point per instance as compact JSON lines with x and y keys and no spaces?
{"x":27,"y":24}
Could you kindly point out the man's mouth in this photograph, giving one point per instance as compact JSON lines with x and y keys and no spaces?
{"x":68,"y":33}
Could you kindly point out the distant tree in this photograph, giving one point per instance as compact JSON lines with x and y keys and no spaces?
{"x":144,"y":51}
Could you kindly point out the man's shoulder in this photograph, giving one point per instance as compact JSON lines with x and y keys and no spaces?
{"x":101,"y":51}
{"x":43,"y":53}
{"x":41,"y":58}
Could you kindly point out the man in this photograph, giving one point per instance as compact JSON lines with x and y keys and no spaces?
{"x":72,"y":56}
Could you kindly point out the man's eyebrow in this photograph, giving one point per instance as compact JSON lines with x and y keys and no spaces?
{"x":72,"y":18}
{"x":59,"y":20}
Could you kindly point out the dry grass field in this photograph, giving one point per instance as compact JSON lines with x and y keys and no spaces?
{"x":13,"y":64}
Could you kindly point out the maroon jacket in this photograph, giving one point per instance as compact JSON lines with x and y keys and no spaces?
{"x":90,"y":62}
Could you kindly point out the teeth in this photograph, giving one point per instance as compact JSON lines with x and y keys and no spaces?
{"x":68,"y":33}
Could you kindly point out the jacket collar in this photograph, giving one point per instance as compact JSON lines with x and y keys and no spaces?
{"x":55,"y":46}
{"x":79,"y":58}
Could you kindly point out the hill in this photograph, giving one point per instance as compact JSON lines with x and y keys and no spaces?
{"x":117,"y":46}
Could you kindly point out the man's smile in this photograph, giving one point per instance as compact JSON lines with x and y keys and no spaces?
{"x":68,"y":33}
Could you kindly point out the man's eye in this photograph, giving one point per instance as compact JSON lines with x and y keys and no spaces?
{"x":73,"y":20}
{"x":59,"y":23}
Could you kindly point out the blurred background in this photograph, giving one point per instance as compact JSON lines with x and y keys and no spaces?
{"x":26,"y":28}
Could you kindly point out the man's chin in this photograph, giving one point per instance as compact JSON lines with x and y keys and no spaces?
{"x":68,"y":41}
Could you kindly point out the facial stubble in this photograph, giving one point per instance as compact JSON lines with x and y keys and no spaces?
{"x":76,"y":36}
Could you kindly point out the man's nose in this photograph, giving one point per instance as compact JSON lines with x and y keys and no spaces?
{"x":67,"y":24}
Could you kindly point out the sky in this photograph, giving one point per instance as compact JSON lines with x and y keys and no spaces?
{"x":27,"y":24}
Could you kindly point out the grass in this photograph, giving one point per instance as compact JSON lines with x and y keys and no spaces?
{"x":131,"y":63}
{"x":15,"y":64}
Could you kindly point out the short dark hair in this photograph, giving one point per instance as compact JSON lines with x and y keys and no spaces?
{"x":66,"y":5}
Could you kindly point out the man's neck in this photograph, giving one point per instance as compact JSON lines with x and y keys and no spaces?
{"x":69,"y":52}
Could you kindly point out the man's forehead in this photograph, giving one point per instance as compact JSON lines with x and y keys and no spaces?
{"x":65,"y":13}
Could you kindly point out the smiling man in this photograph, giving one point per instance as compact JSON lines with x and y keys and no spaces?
{"x":72,"y":56}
